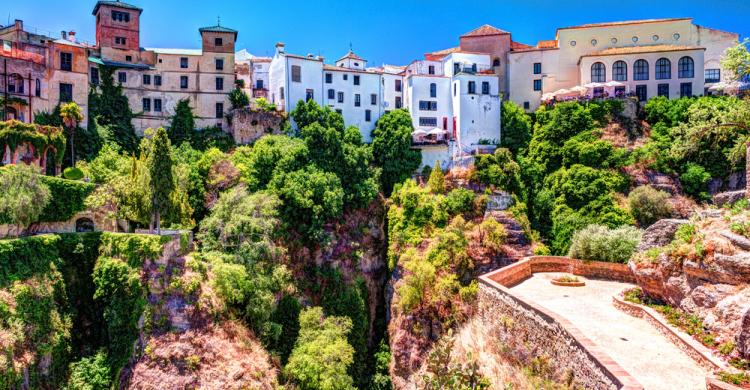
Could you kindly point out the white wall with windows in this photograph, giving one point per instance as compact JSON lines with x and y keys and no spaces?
{"x":356,"y":94}
{"x":476,"y":107}
{"x":531,"y":74}
{"x":428,"y":99}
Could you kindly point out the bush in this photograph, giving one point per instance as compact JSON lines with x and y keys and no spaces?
{"x":493,"y":234}
{"x":648,"y":205}
{"x":67,"y":198}
{"x":23,"y":196}
{"x":436,"y":182}
{"x":695,"y":181}
{"x":73,"y":173}
{"x":599,"y":243}
{"x":90,"y":373}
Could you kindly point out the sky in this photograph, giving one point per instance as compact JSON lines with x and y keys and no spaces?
{"x":385,"y":31}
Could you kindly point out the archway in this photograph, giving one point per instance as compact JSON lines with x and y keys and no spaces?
{"x":84,"y":225}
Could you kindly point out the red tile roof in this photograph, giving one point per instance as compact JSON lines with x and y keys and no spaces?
{"x":518,"y":45}
{"x":484,"y":31}
{"x":351,"y":55}
{"x":623,"y":23}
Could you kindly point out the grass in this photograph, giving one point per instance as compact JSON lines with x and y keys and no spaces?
{"x":568,"y":279}
{"x":739,"y":379}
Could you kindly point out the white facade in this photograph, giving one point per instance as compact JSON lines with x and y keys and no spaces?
{"x":356,"y":95}
{"x":566,"y":62}
{"x":293,"y":78}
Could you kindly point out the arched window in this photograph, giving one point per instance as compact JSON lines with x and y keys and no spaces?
{"x":598,"y":73}
{"x":686,"y":68}
{"x":38,"y":89}
{"x":640,"y":70}
{"x":620,"y":71}
{"x":663,"y":69}
{"x":433,"y":90}
{"x":496,"y":62}
{"x":15,"y":83}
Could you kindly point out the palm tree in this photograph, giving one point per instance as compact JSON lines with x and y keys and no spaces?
{"x":71,"y":115}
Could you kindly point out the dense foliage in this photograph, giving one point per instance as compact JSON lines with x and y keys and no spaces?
{"x":516,"y":127}
{"x":23,"y":196}
{"x":599,"y":243}
{"x":648,"y":205}
{"x":109,"y":108}
{"x":392,"y":151}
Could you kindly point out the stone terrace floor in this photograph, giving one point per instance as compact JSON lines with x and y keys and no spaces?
{"x":632,"y":342}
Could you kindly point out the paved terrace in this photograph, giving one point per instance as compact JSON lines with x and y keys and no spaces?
{"x":631,"y":342}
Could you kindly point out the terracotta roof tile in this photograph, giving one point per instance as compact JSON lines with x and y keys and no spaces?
{"x":549,"y":44}
{"x":518,"y":45}
{"x":351,"y":55}
{"x":623,"y":23}
{"x":484,"y":31}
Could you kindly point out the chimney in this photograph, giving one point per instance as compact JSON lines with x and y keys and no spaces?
{"x":72,"y":36}
{"x":321,"y":58}
{"x":309,"y":55}
{"x":64,"y":34}
{"x":279,"y":47}
{"x":18,"y":24}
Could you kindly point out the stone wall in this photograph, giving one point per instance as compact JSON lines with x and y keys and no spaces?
{"x":249,"y":125}
{"x":517,"y":272}
{"x":530,"y":331}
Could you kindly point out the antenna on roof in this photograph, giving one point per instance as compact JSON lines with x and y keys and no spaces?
{"x":218,"y":21}
{"x":350,"y":47}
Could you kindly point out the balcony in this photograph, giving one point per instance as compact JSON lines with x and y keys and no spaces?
{"x":260,"y":93}
{"x":471,"y":69}
{"x":23,"y":55}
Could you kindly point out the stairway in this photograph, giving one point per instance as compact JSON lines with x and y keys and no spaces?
{"x":517,"y":245}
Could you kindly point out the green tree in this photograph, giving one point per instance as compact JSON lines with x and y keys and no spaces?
{"x":516,"y":127}
{"x":183,"y":123}
{"x":695,"y":181}
{"x":90,"y":373}
{"x":238,"y":98}
{"x":108,"y":107}
{"x":436,"y":182}
{"x":71,"y":115}
{"x":321,"y":355}
{"x":737,"y":60}
{"x":161,"y":180}
{"x":309,"y":112}
{"x":392,"y":151}
{"x":648,"y":205}
{"x":498,"y":170}
{"x":23,"y":196}
{"x":287,"y":316}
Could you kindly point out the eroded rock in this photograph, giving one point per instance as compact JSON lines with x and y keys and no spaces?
{"x":660,"y":233}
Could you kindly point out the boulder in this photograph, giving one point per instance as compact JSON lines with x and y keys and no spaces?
{"x":743,"y":338}
{"x":730,"y":197}
{"x":660,"y":233}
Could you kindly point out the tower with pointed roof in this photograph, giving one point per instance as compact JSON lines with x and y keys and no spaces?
{"x":351,"y":61}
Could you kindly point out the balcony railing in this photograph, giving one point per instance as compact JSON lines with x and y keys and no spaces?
{"x":23,"y":55}
{"x":470,"y":69}
{"x":260,"y":93}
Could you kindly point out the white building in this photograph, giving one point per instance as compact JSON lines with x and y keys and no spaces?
{"x":670,"y":57}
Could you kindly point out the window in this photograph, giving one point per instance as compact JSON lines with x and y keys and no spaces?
{"x":537,"y":68}
{"x":356,"y":80}
{"x":218,"y":42}
{"x":496,"y":62}
{"x":433,"y":90}
{"x":598,"y":92}
{"x":538,"y":85}
{"x":398,"y":102}
{"x":219,"y":110}
{"x":122,"y":77}
{"x":526,"y":105}
{"x":485,"y":88}
{"x":219,"y":83}
{"x":663,"y":69}
{"x":259,"y":84}
{"x":472,"y":87}
{"x":329,"y":78}
{"x":368,"y":115}
{"x":66,"y":93}
{"x":641,"y":92}
{"x":345,"y":77}
{"x":427,"y":105}
{"x":146,"y":79}
{"x":296,"y":73}
{"x":331,"y":94}
{"x":598,"y":73}
{"x":119,"y":16}
{"x":15,"y":83}
{"x":66,"y":61}
{"x":427,"y":122}
{"x":219,"y":64}
{"x":38,"y":89}
{"x":640,"y":70}
{"x":157,"y":80}
{"x":157,"y":105}
{"x":685,"y":68}
{"x":431,"y":69}
{"x":309,"y":94}
{"x":183,"y":82}
{"x":620,"y":71}
{"x":120,"y":40}
{"x":94,"y":75}
{"x":373,"y":99}
{"x":340,"y":97}
{"x":454,"y":88}
{"x":713,"y":75}
{"x":183,"y":62}
{"x":128,"y":58}
{"x":663,"y":90}
{"x":146,"y":104}
{"x":398,"y":85}
{"x":357,"y":101}
{"x":281,"y":93}
{"x":686,"y":89}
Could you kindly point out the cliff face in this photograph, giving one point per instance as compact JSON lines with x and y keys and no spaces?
{"x":703,"y":267}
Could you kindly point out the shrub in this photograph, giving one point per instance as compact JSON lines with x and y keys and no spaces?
{"x":599,"y":243}
{"x":23,"y":196}
{"x":493,"y":234}
{"x":695,"y":180}
{"x":648,"y":205}
{"x":67,"y":198}
{"x":437,"y":180}
{"x":72,"y":173}
{"x":90,"y":373}
{"x":458,"y":201}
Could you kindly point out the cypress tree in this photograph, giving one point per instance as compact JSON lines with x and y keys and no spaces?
{"x":161,"y":181}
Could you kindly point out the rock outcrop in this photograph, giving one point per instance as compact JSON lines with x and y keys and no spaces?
{"x":660,"y":233}
{"x":729,"y":197}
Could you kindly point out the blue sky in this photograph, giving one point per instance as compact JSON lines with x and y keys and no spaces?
{"x":386,"y":31}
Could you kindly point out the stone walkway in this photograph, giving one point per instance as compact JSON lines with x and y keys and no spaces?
{"x":632,"y":342}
